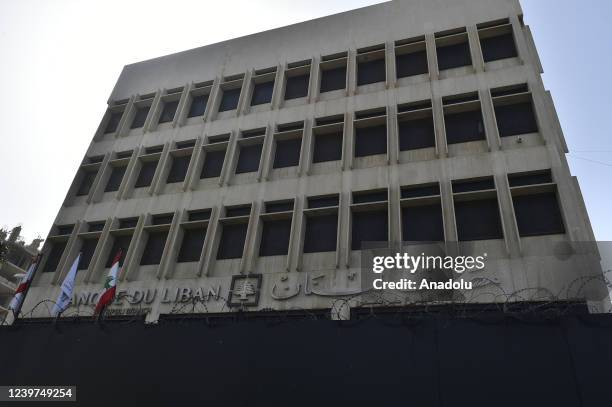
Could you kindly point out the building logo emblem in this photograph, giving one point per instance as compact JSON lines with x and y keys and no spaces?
{"x":244,"y":290}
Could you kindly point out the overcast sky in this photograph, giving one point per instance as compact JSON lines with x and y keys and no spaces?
{"x":60,"y":60}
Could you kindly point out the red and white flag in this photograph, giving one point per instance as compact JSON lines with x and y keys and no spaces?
{"x":20,"y":292}
{"x":110,"y":285}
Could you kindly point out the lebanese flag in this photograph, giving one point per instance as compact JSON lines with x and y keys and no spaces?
{"x":20,"y":292}
{"x":110,"y":285}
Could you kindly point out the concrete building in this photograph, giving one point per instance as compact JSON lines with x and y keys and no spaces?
{"x":17,"y":259}
{"x":248,"y":173}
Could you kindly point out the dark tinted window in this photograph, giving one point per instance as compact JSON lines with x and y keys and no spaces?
{"x":370,"y":226}
{"x":87,"y":180}
{"x":370,"y":196}
{"x":154,"y":248}
{"x":229,"y":100}
{"x":95,"y":226}
{"x":422,"y":223}
{"x":168,"y":112}
{"x":464,"y":126}
{"x":371,"y":72}
{"x":370,"y":140}
{"x":248,"y":159}
{"x":275,"y":237}
{"x":287,"y":153}
{"x":519,"y":179}
{"x":415,"y":134}
{"x":321,"y":233}
{"x":145,"y":176}
{"x":65,"y":229}
{"x":499,"y":47}
{"x":114,"y":181}
{"x":242,"y":210}
{"x":213,"y":163}
{"x":538,"y":214}
{"x":297,"y":86}
{"x":179,"y":169}
{"x":231,"y":244}
{"x":327,"y":147}
{"x":272,"y":207}
{"x":113,"y":122}
{"x":164,"y":219}
{"x":414,"y":63}
{"x":454,"y":56}
{"x":140,"y":116}
{"x":57,"y":249}
{"x":198,"y":106}
{"x":414,"y":191}
{"x":333,"y":79}
{"x":262,"y":93}
{"x":191,"y":247}
{"x":128,"y":223}
{"x":119,"y":242}
{"x":202,"y":214}
{"x":515,"y":119}
{"x":467,"y":185}
{"x":87,"y":250}
{"x":323,"y":201}
{"x":478,"y":220}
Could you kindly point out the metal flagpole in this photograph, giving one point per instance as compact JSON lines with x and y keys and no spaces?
{"x":27,"y":289}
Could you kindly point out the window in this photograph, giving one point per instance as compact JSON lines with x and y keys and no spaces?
{"x":275,"y":237}
{"x":229,"y":99}
{"x":262,"y":93}
{"x":287,"y":153}
{"x":145,"y":176}
{"x":231,"y":244}
{"x":422,"y":213}
{"x":198,"y":105}
{"x":57,"y":249}
{"x":476,"y":209}
{"x":297,"y":86}
{"x":410,"y":57}
{"x":213,"y":163}
{"x":113,"y":122}
{"x":496,"y":40}
{"x":327,"y":147}
{"x":369,"y":226}
{"x":370,"y":132}
{"x":536,"y":205}
{"x":248,"y":158}
{"x":64,"y":230}
{"x":87,"y":250}
{"x":87,"y":180}
{"x":333,"y":79}
{"x":126,"y":223}
{"x":162,"y":219}
{"x":416,"y":131}
{"x":371,"y":65}
{"x":200,"y":214}
{"x":168,"y":112}
{"x":140,"y":117}
{"x":154,"y":248}
{"x":178,"y":170}
{"x":120,"y":242}
{"x":191,"y":247}
{"x":235,"y":211}
{"x":453,"y":49}
{"x":463,"y":118}
{"x":95,"y":226}
{"x":515,"y":119}
{"x":114,"y":181}
{"x":321,"y":233}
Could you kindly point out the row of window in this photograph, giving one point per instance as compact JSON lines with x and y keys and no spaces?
{"x":463,"y":121}
{"x":452,"y":51}
{"x":477,"y":217}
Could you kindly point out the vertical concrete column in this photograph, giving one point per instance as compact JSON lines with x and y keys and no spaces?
{"x":448,"y":210}
{"x":228,"y":161}
{"x":123,"y":128}
{"x":351,"y":69}
{"x":243,"y":99}
{"x":344,"y":229}
{"x":265,"y":163}
{"x":510,"y":227}
{"x":212,"y":97}
{"x":475,"y":49}
{"x":180,"y":114}
{"x":209,"y":243}
{"x":432,"y":56}
{"x":128,"y":175}
{"x":193,"y":164}
{"x":97,"y":258}
{"x":305,"y":147}
{"x":278,"y":86}
{"x":247,"y":262}
{"x":488,"y":117}
{"x":293,"y":253}
{"x":150,"y":123}
{"x":390,"y":64}
{"x":313,"y":85}
{"x":520,"y":34}
{"x":348,"y":150}
{"x":170,"y":248}
{"x":394,"y":216}
{"x":438,"y":118}
{"x":96,"y":188}
{"x":69,"y":254}
{"x":392,"y":135}
{"x":158,"y":180}
{"x":131,"y":261}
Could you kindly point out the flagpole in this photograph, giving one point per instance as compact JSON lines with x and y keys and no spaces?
{"x":27,"y":289}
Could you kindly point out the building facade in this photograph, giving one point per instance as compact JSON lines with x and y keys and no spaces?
{"x":248,"y":174}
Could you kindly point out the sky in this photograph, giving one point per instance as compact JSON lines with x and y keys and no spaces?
{"x":60,"y":60}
